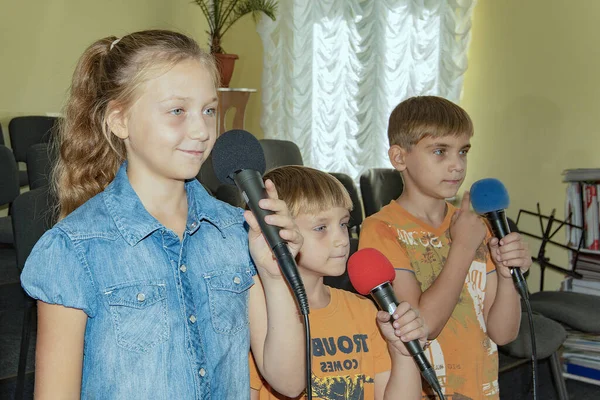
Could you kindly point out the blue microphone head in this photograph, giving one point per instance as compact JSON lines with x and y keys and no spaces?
{"x":236,"y":150}
{"x":489,"y":195}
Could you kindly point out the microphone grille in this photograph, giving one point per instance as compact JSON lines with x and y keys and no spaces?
{"x":489,"y":195}
{"x":236,"y":150}
{"x":369,"y":268}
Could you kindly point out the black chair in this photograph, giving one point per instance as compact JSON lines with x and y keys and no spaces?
{"x":32,"y":215}
{"x":277,"y":153}
{"x":280,"y":152}
{"x":230,"y":195}
{"x":356,"y":216}
{"x":25,"y":132}
{"x":40,"y":161}
{"x":2,"y":136}
{"x":378,"y":187}
{"x":206,"y":176}
{"x":577,"y":311}
{"x":9,"y":190}
{"x":549,"y":337}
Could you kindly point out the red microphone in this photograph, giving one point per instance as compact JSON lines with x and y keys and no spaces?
{"x":371,"y":273}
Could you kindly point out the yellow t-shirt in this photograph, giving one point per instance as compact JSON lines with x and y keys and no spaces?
{"x":348,"y":351}
{"x":465,"y":359}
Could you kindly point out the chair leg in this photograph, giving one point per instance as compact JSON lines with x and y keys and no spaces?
{"x":559,"y":379}
{"x":25,"y":336}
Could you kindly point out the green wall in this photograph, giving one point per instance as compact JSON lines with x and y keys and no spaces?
{"x":532,"y":90}
{"x":42,"y":40}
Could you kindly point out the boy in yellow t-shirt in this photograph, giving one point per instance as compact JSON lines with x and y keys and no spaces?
{"x":356,"y":352}
{"x":442,"y":254}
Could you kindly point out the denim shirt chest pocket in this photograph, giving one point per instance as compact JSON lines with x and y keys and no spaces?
{"x":228,"y":297}
{"x":139,"y":314}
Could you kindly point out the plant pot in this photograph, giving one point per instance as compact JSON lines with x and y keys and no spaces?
{"x":225,"y":64}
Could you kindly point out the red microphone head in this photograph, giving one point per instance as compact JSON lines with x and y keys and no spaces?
{"x":369,"y":268}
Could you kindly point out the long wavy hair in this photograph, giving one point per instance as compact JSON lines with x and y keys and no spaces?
{"x":108,"y":75}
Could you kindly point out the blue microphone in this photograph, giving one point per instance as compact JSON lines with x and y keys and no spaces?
{"x":489,"y":198}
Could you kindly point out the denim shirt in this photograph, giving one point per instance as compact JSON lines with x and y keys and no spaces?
{"x":167,"y":319}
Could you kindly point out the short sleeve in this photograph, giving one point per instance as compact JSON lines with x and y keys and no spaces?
{"x":256,"y":382}
{"x":54,"y":274}
{"x":247,"y":229}
{"x":378,"y":235}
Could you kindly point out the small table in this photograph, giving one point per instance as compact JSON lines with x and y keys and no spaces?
{"x":232,"y":98}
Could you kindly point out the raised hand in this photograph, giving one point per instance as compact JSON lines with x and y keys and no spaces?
{"x":466,"y":227}
{"x":259,"y":248}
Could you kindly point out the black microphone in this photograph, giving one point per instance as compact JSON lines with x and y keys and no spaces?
{"x":489,"y":198}
{"x":371,"y":272}
{"x":238,"y":158}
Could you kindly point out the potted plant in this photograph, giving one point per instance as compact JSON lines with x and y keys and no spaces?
{"x":221,"y":15}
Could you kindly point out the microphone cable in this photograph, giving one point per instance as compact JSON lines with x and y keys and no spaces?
{"x":308,"y":352}
{"x":489,"y":198}
{"x":238,"y":159}
{"x":521,"y":286}
{"x":297,"y":287}
{"x":286,"y":264}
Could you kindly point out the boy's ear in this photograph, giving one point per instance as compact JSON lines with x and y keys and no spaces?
{"x":397,"y":157}
{"x":117,"y":122}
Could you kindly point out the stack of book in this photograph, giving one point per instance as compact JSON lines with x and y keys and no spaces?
{"x":581,"y":357}
{"x":588,"y":265}
{"x":581,"y":351}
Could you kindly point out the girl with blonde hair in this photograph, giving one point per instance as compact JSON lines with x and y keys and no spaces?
{"x":147,"y":287}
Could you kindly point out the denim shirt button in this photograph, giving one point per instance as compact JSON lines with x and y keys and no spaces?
{"x":202,"y":372}
{"x":183,"y":268}
{"x":193,"y":319}
{"x":141,"y":297}
{"x":193,"y":225}
{"x":237,"y":280}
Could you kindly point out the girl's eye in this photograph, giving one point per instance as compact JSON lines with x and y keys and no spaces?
{"x":210,"y":111}
{"x":464,"y":152}
{"x":439,"y":152}
{"x":177,"y":111}
{"x":345,"y":224}
{"x":319,"y":228}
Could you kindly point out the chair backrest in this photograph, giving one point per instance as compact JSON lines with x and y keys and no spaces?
{"x":356,"y":216}
{"x":1,"y":136}
{"x":206,"y":176}
{"x":9,"y":176}
{"x":32,"y":215}
{"x":378,"y":187}
{"x":277,"y":153}
{"x":280,"y":152}
{"x":39,"y":165}
{"x":230,"y":194}
{"x":26,"y":131}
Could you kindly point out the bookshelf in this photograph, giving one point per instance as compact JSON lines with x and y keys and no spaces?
{"x":581,"y":351}
{"x":582,"y":209}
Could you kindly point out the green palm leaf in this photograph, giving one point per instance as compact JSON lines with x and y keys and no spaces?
{"x":222,"y":14}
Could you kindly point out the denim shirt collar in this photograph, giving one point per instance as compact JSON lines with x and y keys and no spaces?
{"x":135,"y":222}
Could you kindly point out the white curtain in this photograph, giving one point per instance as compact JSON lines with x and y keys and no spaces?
{"x":335,"y":69}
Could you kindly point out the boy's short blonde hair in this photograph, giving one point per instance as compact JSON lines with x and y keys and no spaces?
{"x":307,"y":190}
{"x":426,"y":116}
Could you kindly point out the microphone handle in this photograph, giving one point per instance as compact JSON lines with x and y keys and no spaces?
{"x":500,"y":228}
{"x":251,"y":185}
{"x":385,"y":298}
